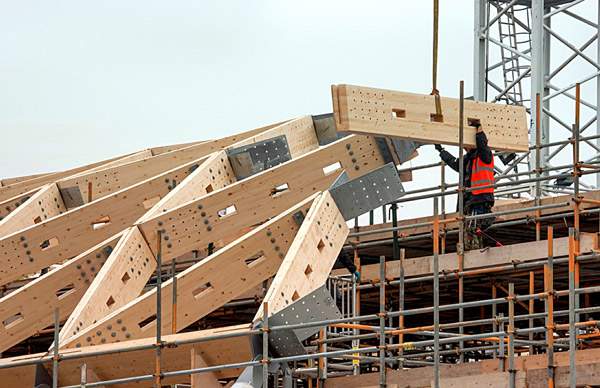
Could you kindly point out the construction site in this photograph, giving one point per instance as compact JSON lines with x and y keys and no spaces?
{"x":280,"y":256}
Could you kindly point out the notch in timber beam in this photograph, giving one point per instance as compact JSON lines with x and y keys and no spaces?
{"x":412,"y":116}
{"x":29,"y":309}
{"x":207,"y":285}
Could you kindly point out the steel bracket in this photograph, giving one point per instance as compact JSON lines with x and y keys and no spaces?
{"x":368,"y":192}
{"x":256,"y":157}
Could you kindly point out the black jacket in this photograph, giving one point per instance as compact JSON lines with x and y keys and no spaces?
{"x":486,"y":156}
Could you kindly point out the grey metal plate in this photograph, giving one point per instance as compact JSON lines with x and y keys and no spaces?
{"x":368,"y":192}
{"x":325,"y":129}
{"x":316,"y":306}
{"x":400,"y":151}
{"x":256,"y":157}
{"x":71,"y":196}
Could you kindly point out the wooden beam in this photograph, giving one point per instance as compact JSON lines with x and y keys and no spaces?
{"x":214,"y":173}
{"x":311,"y":256}
{"x":44,"y":204}
{"x":137,"y":156}
{"x":217,"y":172}
{"x":382,"y":112}
{"x":30,"y":309}
{"x":533,"y":250}
{"x":228,"y":273}
{"x":201,"y":380}
{"x":120,"y":280}
{"x":227,"y":213}
{"x":141,"y":362}
{"x":59,"y":238}
{"x":300,"y":135}
{"x":17,"y":188}
{"x":17,"y":179}
{"x":107,"y":181}
{"x":9,"y":205}
{"x":109,"y":292}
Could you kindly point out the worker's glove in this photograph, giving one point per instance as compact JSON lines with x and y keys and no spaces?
{"x":357,"y":276}
{"x":438,"y":147}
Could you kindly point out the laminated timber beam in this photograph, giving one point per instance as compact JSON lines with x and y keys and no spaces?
{"x":30,"y":309}
{"x":106,"y":181}
{"x":44,"y":204}
{"x":311,"y":257}
{"x":17,"y":179}
{"x":137,"y":156}
{"x":117,"y":282}
{"x":109,"y":293}
{"x":62,"y":237}
{"x":9,"y":205}
{"x":214,"y":351}
{"x":17,"y":188}
{"x":207,"y":285}
{"x":201,"y":380}
{"x":507,"y":254}
{"x":217,"y":171}
{"x":229,"y":211}
{"x":412,"y":116}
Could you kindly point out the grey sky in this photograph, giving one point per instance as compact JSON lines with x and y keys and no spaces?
{"x":86,"y":80}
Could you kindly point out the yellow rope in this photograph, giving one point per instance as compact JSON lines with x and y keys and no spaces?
{"x":434,"y":91}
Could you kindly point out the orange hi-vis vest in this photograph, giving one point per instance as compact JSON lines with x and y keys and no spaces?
{"x":482,"y":174}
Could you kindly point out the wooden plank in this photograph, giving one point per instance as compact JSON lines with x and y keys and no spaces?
{"x":108,"y":292}
{"x":9,"y":205}
{"x":311,"y":256}
{"x":67,"y":235}
{"x":140,"y":155}
{"x":382,"y":112}
{"x":120,"y":280}
{"x":31,"y":308}
{"x":168,"y":148}
{"x":213,"y":174}
{"x":17,"y":179}
{"x":15,"y":189}
{"x":300,"y":135}
{"x":229,"y":273}
{"x":508,"y":254}
{"x":201,"y":380}
{"x":107,"y":181}
{"x":255,"y":199}
{"x":216,"y":172}
{"x":141,"y":362}
{"x":44,"y":204}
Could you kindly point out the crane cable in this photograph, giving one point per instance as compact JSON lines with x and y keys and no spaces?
{"x":434,"y":91}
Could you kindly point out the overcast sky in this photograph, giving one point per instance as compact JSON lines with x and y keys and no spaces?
{"x":82,"y":81}
{"x":86,"y":80}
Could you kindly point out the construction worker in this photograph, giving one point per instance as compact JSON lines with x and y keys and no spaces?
{"x":478,"y":172}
